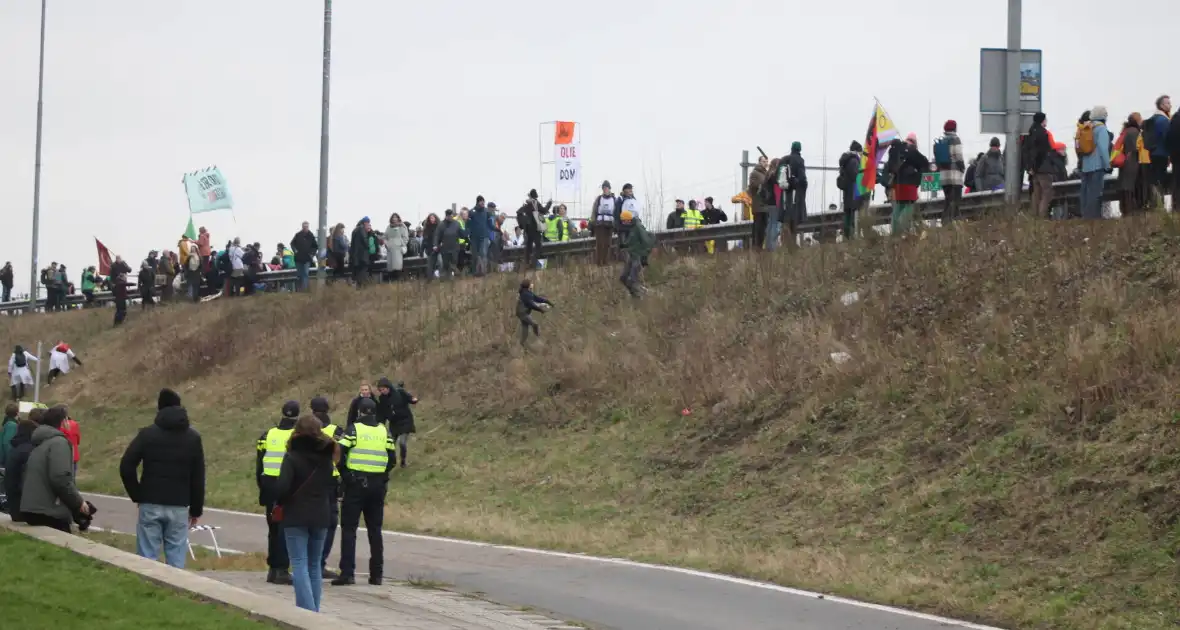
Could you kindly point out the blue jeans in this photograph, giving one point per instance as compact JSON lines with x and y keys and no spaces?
{"x":303,"y":273}
{"x":773,"y":228}
{"x":1091,"y":194}
{"x":165,"y":525}
{"x":304,"y":543}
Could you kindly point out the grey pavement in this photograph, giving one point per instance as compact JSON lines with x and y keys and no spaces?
{"x":402,"y":607}
{"x":601,"y":594}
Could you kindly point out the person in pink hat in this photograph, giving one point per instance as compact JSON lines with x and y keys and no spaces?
{"x":909,"y":178}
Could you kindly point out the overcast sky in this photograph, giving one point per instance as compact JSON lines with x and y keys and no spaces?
{"x":436,"y":102}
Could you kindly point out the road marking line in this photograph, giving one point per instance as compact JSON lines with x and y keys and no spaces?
{"x":232,"y":552}
{"x":720,"y":577}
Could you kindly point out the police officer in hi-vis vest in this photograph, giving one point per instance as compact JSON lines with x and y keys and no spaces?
{"x":366,"y":457}
{"x":320,"y":408}
{"x":272,"y":448}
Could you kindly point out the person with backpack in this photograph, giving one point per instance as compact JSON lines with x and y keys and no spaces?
{"x":849,"y":166}
{"x":989,"y":172}
{"x":762,"y":206}
{"x":912,"y":164}
{"x":948,"y":156}
{"x":1155,"y":133}
{"x":19,"y":375}
{"x":1093,"y":144}
{"x":969,"y":181}
{"x":795,"y":204}
{"x":1124,"y":155}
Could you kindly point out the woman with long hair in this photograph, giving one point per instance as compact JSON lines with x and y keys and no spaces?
{"x":337,"y":250}
{"x":397,"y":240}
{"x":304,"y":491}
{"x":429,"y":227}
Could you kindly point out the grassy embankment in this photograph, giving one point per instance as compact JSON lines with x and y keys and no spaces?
{"x":51,"y":587}
{"x":1002,"y":446}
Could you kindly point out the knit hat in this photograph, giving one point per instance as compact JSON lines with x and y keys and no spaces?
{"x":626,"y":186}
{"x":492,"y":206}
{"x":319,"y":404}
{"x":366,"y":405}
{"x":625,"y":216}
{"x":290,"y":409}
{"x":950,"y":126}
{"x":365,"y":220}
{"x":1098,"y":113}
{"x":796,"y":147}
{"x":605,"y":183}
{"x":167,"y":398}
{"x":995,"y":142}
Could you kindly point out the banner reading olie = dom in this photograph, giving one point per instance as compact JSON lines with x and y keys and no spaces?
{"x":567,"y":161}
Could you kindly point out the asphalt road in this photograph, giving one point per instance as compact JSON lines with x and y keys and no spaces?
{"x":602,"y":593}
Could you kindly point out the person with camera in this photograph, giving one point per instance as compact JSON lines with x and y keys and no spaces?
{"x":49,"y":496}
{"x":367,"y":457}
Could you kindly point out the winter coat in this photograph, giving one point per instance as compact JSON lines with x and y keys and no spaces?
{"x":305,"y":484}
{"x":354,"y":411}
{"x":6,"y":277}
{"x":1036,"y":149}
{"x":358,"y":253}
{"x":478,"y":228}
{"x":989,"y":172}
{"x":909,"y":175}
{"x":7,"y":432}
{"x":675,"y":219}
{"x":1171,"y":141}
{"x":1099,"y":160}
{"x":119,"y":271}
{"x":173,"y":461}
{"x":1159,"y":128}
{"x":397,"y":241}
{"x":304,"y":244}
{"x":428,"y":232}
{"x":798,"y":169}
{"x":531,"y":216}
{"x":753,"y":188}
{"x":384,"y":402}
{"x":1129,"y":172}
{"x":639,"y":241}
{"x":49,"y":489}
{"x":267,"y":490}
{"x":849,"y":165}
{"x":714,"y":216}
{"x":15,"y":464}
{"x":952,"y":174}
{"x":446,"y":237}
{"x":528,"y":302}
{"x":393,"y":408}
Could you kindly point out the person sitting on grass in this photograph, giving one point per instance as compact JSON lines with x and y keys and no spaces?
{"x":525,"y":306}
{"x":49,"y":496}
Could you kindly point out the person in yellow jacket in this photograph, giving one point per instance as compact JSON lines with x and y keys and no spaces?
{"x":557,"y":227}
{"x":367,"y":456}
{"x":747,"y":205}
{"x":272,"y":448}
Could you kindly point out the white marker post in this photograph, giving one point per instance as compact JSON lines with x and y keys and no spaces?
{"x":37,"y":379}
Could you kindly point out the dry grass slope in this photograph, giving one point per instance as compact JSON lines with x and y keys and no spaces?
{"x":1002,"y":445}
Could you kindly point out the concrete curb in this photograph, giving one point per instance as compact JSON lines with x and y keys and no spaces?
{"x":282,"y":613}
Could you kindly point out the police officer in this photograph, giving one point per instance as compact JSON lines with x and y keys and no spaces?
{"x":367,"y":456}
{"x":272,"y":448}
{"x":320,"y":408}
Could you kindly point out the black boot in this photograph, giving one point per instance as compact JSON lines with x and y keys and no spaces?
{"x":14,"y":395}
{"x":375,"y":580}
{"x":344,"y":580}
{"x":278,"y":576}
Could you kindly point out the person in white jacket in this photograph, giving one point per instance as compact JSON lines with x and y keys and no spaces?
{"x":18,"y":372}
{"x":59,"y":360}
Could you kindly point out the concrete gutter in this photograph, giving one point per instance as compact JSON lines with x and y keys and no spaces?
{"x":281,"y":613}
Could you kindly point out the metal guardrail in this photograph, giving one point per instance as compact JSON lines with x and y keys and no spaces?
{"x":928,"y":209}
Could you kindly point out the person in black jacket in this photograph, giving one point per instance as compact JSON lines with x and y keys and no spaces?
{"x":384,"y":400}
{"x":796,"y":208}
{"x":675,"y":219}
{"x":18,"y":459}
{"x":305,"y":247}
{"x":846,"y":181}
{"x":531,"y":218}
{"x":713,"y":215}
{"x":354,"y":407}
{"x":358,"y":252}
{"x":1172,"y":143}
{"x":1035,"y":149}
{"x":272,"y":446}
{"x":305,"y":488}
{"x":401,"y":421}
{"x":525,"y":305}
{"x":119,"y":272}
{"x":170,"y":492}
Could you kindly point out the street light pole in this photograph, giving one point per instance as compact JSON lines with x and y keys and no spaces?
{"x":323,"y":270}
{"x":37,"y":168}
{"x":1012,"y":91}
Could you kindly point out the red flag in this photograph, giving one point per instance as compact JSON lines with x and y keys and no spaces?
{"x":104,"y":259}
{"x":564,"y":133}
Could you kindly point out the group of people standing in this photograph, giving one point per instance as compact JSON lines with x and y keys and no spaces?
{"x":307,"y":464}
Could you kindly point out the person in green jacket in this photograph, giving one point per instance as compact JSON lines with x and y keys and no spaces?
{"x":89,"y":282}
{"x":637,"y":246}
{"x":8,"y":430}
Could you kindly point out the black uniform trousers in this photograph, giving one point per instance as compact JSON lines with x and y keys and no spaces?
{"x":276,"y":542}
{"x":334,"y":509}
{"x":364,"y":495}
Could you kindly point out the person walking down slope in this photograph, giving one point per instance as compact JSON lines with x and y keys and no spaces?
{"x":49,"y":496}
{"x":637,"y":248}
{"x":272,"y":449}
{"x":989,"y":171}
{"x":528,"y":302}
{"x":304,"y":489}
{"x":447,"y":244}
{"x":367,"y":456}
{"x":401,"y":423}
{"x":1093,"y":145}
{"x":163,"y":472}
{"x":59,"y":360}
{"x":365,"y":391}
{"x":19,"y":375}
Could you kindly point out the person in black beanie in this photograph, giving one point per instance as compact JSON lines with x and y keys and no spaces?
{"x":272,"y":448}
{"x":170,"y":492}
{"x":320,"y":408}
{"x":531,"y":217}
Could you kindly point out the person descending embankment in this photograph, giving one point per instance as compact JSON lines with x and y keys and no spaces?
{"x":401,"y":423}
{"x":525,"y":306}
{"x":59,"y":360}
{"x":367,"y":457}
{"x":19,"y":375}
{"x":636,"y":249}
{"x":272,"y":448}
{"x":320,"y":409}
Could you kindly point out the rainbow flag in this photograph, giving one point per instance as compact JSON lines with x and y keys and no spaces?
{"x":880,"y":133}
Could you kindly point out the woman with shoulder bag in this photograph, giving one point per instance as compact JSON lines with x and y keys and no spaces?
{"x":304,"y":492}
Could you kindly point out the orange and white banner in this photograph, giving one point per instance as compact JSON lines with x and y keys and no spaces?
{"x":567,"y":160}
{"x":564,"y":132}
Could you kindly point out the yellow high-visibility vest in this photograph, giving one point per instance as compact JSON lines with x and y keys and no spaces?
{"x":462,"y":226}
{"x":369,"y":450}
{"x":553,"y":226}
{"x":693,"y":219}
{"x":274,"y":449}
{"x":330,"y":431}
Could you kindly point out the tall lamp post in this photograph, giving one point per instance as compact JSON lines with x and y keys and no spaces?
{"x":37,"y":168}
{"x":323,"y":270}
{"x":1012,"y":138}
